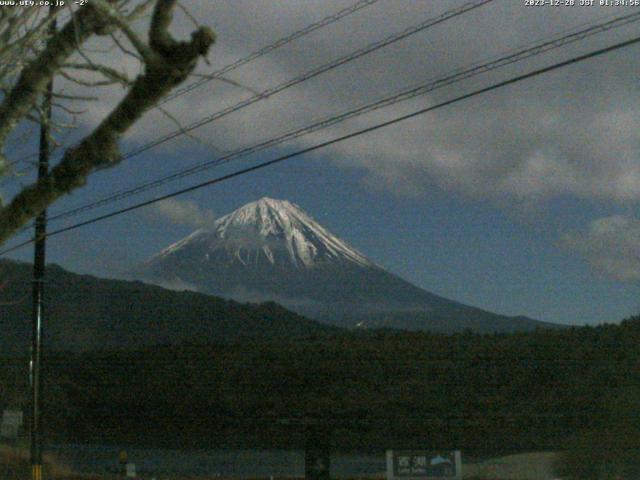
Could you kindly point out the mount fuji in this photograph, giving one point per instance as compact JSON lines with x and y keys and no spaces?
{"x":271,"y":250}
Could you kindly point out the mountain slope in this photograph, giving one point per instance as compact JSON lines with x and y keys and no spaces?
{"x":87,"y":313}
{"x":272,"y":250}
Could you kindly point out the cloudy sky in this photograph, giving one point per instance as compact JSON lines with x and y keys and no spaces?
{"x":520,"y":201}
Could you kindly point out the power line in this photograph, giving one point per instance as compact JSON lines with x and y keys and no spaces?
{"x":328,"y":20}
{"x":342,"y":138}
{"x":372,"y":47}
{"x":451,"y":78}
{"x":270,"y":48}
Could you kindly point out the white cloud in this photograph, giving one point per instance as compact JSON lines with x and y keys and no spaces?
{"x":611,"y":245}
{"x":177,"y":285}
{"x":184,"y":212}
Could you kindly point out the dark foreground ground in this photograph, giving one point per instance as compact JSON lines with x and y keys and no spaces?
{"x":14,"y":465}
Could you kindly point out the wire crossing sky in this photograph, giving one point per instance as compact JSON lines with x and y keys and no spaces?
{"x":522,"y":199}
{"x":393,"y":121}
{"x":328,"y":20}
{"x":219,"y":74}
{"x":312,"y":73}
{"x":431,"y":85}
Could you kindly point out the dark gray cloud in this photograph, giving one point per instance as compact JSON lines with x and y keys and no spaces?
{"x":571,"y":132}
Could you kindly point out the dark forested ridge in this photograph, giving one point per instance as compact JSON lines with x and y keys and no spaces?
{"x":209,"y":372}
{"x":483,"y":393}
{"x":87,"y":313}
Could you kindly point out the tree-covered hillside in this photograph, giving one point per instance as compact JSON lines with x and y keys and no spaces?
{"x":84,"y":313}
{"x":486,"y":394}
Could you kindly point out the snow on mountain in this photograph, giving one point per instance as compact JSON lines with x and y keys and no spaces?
{"x":272,"y":250}
{"x":265,"y":230}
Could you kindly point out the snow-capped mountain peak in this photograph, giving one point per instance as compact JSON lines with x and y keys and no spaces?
{"x":271,"y":230}
{"x":271,"y":250}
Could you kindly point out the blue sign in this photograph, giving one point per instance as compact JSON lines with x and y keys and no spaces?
{"x":424,"y":464}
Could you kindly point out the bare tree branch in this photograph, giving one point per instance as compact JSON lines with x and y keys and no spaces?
{"x":39,"y":72}
{"x":111,"y":75}
{"x":167,"y":63}
{"x":106,"y":9}
{"x":187,"y":134}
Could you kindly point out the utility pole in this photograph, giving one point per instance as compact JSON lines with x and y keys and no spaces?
{"x":38,"y":282}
